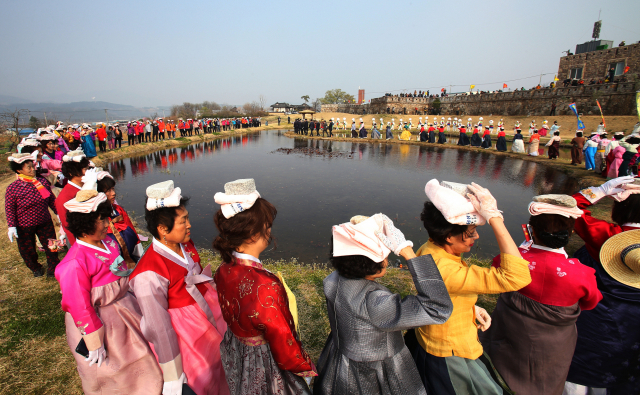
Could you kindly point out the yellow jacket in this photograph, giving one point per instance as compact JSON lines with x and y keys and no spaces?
{"x":459,"y":335}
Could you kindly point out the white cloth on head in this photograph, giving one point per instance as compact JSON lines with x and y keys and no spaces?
{"x":172,"y":200}
{"x":538,"y":208}
{"x":235,"y":204}
{"x":103,"y":174}
{"x":629,"y":189}
{"x":33,"y":156}
{"x":359,"y":239}
{"x":87,"y":206}
{"x":455,"y":208}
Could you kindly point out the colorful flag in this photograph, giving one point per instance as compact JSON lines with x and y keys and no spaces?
{"x":601,"y":114}
{"x":504,"y":86}
{"x":442,"y":90}
{"x":555,"y":78}
{"x":626,"y":69}
{"x":471,"y":87}
{"x":573,"y":108}
{"x":638,"y":104}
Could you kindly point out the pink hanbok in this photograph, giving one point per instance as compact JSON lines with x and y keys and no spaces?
{"x":97,"y":302}
{"x":617,"y":161}
{"x":181,"y":316}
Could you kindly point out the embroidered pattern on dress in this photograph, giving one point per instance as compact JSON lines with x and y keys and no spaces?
{"x":560,"y":272}
{"x":245,"y":287}
{"x":103,"y":259}
{"x":532,"y":265}
{"x":82,"y":328}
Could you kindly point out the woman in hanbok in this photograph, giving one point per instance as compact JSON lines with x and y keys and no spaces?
{"x":518,"y":143}
{"x":362,"y":133}
{"x":476,"y":140}
{"x":406,"y":134}
{"x":424,"y":136}
{"x":534,"y":143}
{"x":615,"y":163}
{"x":607,"y":353}
{"x":486,"y":138}
{"x":577,"y":144}
{"x":389,"y":133}
{"x":501,"y":143}
{"x":181,"y":316}
{"x":365,"y":352}
{"x":533,"y":333}
{"x":374,"y":132}
{"x":88,"y":146}
{"x":589,"y":150}
{"x":50,"y":148}
{"x":532,"y":128}
{"x":448,"y":355}
{"x":354,"y":133}
{"x":261,"y":351}
{"x":442,"y":138}
{"x":432,"y":134}
{"x":545,"y":129}
{"x":120,"y":226}
{"x":463,"y":140}
{"x":102,"y":316}
{"x":554,"y":146}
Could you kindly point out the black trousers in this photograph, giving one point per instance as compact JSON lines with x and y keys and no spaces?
{"x":132,"y":138}
{"x":27,"y":245}
{"x":155,"y":136}
{"x":117,"y":143}
{"x":102,"y":145}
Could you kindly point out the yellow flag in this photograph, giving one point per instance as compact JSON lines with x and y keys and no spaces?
{"x":638,"y":104}
{"x":471,"y":87}
{"x":555,"y":78}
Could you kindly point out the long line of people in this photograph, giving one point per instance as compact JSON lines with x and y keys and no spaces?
{"x":158,"y":322}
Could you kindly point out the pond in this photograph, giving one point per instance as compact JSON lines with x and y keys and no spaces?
{"x":315,"y":184}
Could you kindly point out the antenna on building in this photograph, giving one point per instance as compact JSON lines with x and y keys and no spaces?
{"x":596,"y":29}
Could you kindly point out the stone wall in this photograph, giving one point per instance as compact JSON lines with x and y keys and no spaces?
{"x":616,"y":99}
{"x":595,"y":64}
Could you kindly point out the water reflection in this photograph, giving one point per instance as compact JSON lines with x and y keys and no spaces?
{"x":319,"y":183}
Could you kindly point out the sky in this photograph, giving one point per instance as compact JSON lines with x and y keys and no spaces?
{"x":159,"y":53}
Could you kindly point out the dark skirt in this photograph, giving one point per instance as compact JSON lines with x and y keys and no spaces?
{"x":486,"y":141}
{"x":501,"y":144}
{"x":531,"y":344}
{"x":554,"y":150}
{"x":432,"y":137}
{"x":627,"y":161}
{"x":463,"y":139}
{"x":363,"y":133}
{"x":476,"y":141}
{"x":424,"y":136}
{"x":354,"y":134}
{"x":442,"y":138}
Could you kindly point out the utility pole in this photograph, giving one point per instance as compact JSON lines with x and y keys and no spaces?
{"x":106,"y":115}
{"x":45,"y":119}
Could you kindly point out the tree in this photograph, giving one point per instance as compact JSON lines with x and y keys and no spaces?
{"x":263,"y":102}
{"x":316,"y":105}
{"x":305,"y":98}
{"x":336,"y":96}
{"x":34,"y":123}
{"x":12,"y":118}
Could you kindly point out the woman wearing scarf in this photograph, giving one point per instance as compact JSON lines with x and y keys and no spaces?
{"x":501,"y":143}
{"x":486,"y":138}
{"x":448,"y":355}
{"x":577,"y":144}
{"x":476,"y":141}
{"x":518,"y":143}
{"x":261,"y":352}
{"x":180,"y":313}
{"x":365,"y":352}
{"x":533,"y":333}
{"x":27,"y":203}
{"x":534,"y":143}
{"x":554,"y":146}
{"x":120,"y":225}
{"x":101,"y":314}
{"x":606,"y":354}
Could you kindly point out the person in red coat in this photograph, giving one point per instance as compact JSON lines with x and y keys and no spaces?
{"x":101,"y":133}
{"x":74,"y":166}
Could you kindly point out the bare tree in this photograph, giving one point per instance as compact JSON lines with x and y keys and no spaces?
{"x":13,"y":117}
{"x":263,"y":102}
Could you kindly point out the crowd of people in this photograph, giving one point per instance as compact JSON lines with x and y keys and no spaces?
{"x":156,"y":321}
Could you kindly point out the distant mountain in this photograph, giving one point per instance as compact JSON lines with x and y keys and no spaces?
{"x":5,"y":99}
{"x":85,"y":111}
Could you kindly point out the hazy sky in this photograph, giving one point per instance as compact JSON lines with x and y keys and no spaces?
{"x":163,"y":52}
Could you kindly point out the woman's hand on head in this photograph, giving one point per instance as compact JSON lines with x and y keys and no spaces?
{"x":484,"y":203}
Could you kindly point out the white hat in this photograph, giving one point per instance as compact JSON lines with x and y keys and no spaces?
{"x":20,"y":158}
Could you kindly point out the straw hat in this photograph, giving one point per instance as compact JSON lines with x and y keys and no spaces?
{"x":620,"y":257}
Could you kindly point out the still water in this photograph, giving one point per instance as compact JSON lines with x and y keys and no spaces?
{"x":315,"y":184}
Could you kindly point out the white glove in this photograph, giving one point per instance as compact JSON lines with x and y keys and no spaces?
{"x":391,"y":236}
{"x":63,"y":234}
{"x":483,"y":202}
{"x":98,"y":356}
{"x":483,"y":318}
{"x":174,"y":387}
{"x":13,"y":232}
{"x":611,"y":187}
{"x":90,"y":179}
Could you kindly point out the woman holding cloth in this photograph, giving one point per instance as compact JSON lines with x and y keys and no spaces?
{"x":534,"y":143}
{"x":100,"y":310}
{"x":180,"y":313}
{"x":261,"y":352}
{"x":365,"y":352}
{"x":448,"y":355}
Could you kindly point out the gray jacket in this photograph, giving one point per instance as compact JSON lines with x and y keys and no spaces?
{"x":367,"y":319}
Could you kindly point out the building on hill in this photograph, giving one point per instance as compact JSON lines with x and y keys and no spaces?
{"x":282,"y":107}
{"x":597,"y":64}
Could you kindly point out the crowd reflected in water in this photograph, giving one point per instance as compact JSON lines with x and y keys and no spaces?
{"x":318,"y":183}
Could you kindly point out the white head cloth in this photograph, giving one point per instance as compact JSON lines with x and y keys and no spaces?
{"x":238,"y":196}
{"x":456,"y":208}
{"x":163,"y":194}
{"x":75,"y":156}
{"x":20,"y":158}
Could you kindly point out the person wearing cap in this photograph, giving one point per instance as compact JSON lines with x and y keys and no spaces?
{"x":161,"y":129}
{"x":261,"y":351}
{"x":101,"y":133}
{"x":148,"y":128}
{"x":100,"y":311}
{"x":448,"y":355}
{"x":534,"y":143}
{"x":365,"y":352}
{"x":180,"y":313}
{"x":27,"y":203}
{"x":155,"y":130}
{"x":533,"y":333}
{"x":463,"y":140}
{"x":577,"y":145}
{"x":554,"y":146}
{"x":606,"y":354}
{"x":486,"y":138}
{"x":589,"y":150}
{"x":141,"y":131}
{"x":517,"y":145}
{"x":74,"y":165}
